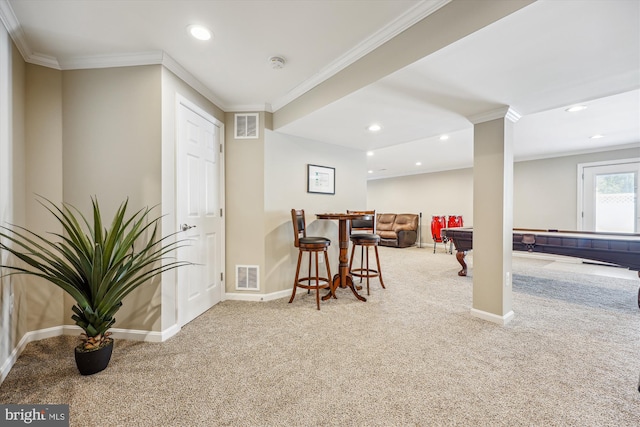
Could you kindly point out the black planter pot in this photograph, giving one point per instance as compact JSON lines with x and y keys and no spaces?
{"x":91,"y":362}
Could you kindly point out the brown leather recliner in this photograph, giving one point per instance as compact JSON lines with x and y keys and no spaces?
{"x":397,"y":230}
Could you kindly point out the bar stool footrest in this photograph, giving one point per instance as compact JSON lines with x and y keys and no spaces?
{"x":363,"y":272}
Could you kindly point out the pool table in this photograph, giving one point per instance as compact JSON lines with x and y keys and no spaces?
{"x":621,"y":249}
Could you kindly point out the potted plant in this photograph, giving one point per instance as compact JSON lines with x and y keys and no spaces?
{"x":95,"y":265}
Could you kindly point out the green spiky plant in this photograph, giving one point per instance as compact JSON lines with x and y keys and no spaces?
{"x":96,"y":266}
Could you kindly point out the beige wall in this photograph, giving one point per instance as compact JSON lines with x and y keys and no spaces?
{"x":545,"y":192}
{"x":44,"y":178}
{"x":245,"y":198}
{"x":266,"y":178}
{"x":440,"y":193}
{"x":285,"y":183}
{"x":112,"y":149}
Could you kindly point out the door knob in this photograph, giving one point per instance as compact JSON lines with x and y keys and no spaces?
{"x":185,"y":227}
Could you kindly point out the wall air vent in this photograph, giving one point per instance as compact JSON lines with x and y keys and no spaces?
{"x":247,"y":126}
{"x":247,"y":278}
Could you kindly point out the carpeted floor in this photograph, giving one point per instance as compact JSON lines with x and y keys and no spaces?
{"x":412,"y":355}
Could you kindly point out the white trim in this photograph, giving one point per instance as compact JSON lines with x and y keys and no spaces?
{"x":181,"y":100}
{"x":8,"y":318}
{"x":499,"y":113}
{"x":113,"y":60}
{"x":14,"y":29}
{"x":156,"y":57}
{"x":501,"y":320}
{"x":258,"y":297}
{"x":248,"y":107}
{"x":633,"y":145}
{"x":610,"y":162}
{"x":580,"y":184}
{"x":127,"y":334}
{"x":188,"y":78}
{"x":420,"y":11}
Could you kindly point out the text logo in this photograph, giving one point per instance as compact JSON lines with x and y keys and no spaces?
{"x":34,"y":415}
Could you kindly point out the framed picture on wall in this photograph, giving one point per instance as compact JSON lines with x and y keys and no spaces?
{"x":321,"y":179}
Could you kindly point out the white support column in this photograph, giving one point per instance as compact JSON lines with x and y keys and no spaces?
{"x":493,"y":215}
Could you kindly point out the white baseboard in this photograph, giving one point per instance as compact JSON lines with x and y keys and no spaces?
{"x":484,"y":315}
{"x":129,"y":334}
{"x":26,"y":339}
{"x":258,"y":297}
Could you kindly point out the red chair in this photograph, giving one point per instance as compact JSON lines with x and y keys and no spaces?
{"x":453,"y":222}
{"x":437,"y":224}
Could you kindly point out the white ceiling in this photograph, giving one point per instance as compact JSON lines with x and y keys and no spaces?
{"x":538,"y":60}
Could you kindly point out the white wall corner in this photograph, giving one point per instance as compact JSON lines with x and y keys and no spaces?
{"x":494,"y":318}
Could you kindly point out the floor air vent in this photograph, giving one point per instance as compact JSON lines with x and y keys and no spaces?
{"x":247,"y":277}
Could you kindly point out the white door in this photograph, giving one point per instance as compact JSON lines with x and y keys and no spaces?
{"x":199,"y":212}
{"x":610,"y":197}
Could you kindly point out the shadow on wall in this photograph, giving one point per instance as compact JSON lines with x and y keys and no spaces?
{"x":140,"y":312}
{"x":282,"y":256}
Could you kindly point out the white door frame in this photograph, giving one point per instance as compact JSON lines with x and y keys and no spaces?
{"x":580,"y":191}
{"x":185,"y":105}
{"x":170,"y":291}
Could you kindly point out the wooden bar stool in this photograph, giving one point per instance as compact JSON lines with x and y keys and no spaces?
{"x":363,"y":234}
{"x":311,"y":245}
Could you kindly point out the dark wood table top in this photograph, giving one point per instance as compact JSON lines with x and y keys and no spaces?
{"x":342,"y":215}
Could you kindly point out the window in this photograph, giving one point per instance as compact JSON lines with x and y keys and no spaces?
{"x":608,"y":200}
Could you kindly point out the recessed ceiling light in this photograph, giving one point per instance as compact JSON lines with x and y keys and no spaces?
{"x":199,"y":32}
{"x":597,"y":136}
{"x":576,"y":108}
{"x":444,"y":137}
{"x":418,"y":163}
{"x":374,"y":127}
{"x":369,"y":171}
{"x":369,"y":153}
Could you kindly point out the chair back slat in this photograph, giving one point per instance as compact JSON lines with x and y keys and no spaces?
{"x":299,"y":225}
{"x":364,"y":225}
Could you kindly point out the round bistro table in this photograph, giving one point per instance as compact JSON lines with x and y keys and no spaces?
{"x":343,"y":279}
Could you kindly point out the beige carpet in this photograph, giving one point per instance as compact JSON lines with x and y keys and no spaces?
{"x":411,"y":356}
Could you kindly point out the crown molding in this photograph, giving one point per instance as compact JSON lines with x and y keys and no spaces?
{"x":249,"y":107}
{"x":14,"y":29}
{"x":420,"y":11}
{"x":10,"y":21}
{"x":111,"y":61}
{"x":513,"y":115}
{"x":499,"y":113}
{"x":177,"y":69}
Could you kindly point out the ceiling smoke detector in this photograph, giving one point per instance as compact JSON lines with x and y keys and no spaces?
{"x":276,"y":62}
